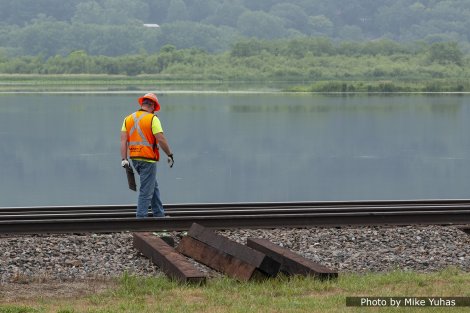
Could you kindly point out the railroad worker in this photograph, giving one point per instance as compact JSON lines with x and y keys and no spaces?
{"x":142,"y":135}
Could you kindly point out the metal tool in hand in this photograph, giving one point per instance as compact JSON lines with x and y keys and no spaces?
{"x":130,"y":176}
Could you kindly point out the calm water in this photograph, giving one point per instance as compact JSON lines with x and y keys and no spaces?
{"x":63,"y":149}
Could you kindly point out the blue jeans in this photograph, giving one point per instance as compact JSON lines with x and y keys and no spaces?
{"x":149,"y":194}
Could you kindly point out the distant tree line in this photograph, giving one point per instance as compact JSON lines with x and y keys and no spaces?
{"x":115,"y":27}
{"x":309,"y":59}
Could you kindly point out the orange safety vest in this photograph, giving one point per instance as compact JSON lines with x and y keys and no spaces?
{"x":141,"y":141}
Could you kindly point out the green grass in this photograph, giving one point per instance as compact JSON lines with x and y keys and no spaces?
{"x":102,"y":82}
{"x":389,"y":86}
{"x":283,"y":294}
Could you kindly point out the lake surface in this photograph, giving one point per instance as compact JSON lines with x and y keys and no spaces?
{"x":63,"y":149}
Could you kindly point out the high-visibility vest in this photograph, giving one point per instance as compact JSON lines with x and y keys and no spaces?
{"x":142,"y":143}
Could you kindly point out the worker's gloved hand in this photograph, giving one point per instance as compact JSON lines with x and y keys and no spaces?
{"x":124,"y":163}
{"x":171,"y":161}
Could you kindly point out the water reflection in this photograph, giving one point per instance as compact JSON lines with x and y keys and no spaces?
{"x":63,"y":149}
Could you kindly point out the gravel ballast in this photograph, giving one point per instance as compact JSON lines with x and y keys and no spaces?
{"x":68,"y":258}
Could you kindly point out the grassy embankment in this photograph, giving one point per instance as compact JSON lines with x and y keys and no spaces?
{"x":297,"y":294}
{"x":88,"y":82}
{"x":103,"y":83}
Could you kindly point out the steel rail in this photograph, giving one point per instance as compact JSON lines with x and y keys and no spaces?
{"x":27,"y":215}
{"x":238,"y":205}
{"x":441,"y":217}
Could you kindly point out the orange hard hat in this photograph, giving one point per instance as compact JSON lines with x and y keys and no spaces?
{"x":153,"y":97}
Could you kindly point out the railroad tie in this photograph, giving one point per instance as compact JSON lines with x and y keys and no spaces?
{"x":227,"y":256}
{"x":216,"y":259}
{"x":172,"y":263}
{"x":291,"y":262}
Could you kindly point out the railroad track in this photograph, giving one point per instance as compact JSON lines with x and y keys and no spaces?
{"x":117,"y":218}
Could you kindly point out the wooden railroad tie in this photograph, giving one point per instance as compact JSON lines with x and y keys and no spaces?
{"x":259,"y":258}
{"x":172,"y":263}
{"x":216,"y":259}
{"x":227,"y":256}
{"x":291,"y":262}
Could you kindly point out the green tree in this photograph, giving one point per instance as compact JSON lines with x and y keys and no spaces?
{"x":227,"y":13}
{"x":292,"y":15}
{"x":445,"y":53}
{"x":157,"y":11}
{"x":44,"y":36}
{"x":78,"y":62}
{"x":124,"y":11}
{"x":115,"y":40}
{"x":398,"y":16}
{"x":320,"y":25}
{"x":21,"y":12}
{"x":383,"y":47}
{"x":107,"y":65}
{"x":199,"y":10}
{"x":177,"y":11}
{"x":110,"y":12}
{"x":351,"y":32}
{"x":90,"y":12}
{"x":187,"y":34}
{"x":261,"y":25}
{"x":246,"y":48}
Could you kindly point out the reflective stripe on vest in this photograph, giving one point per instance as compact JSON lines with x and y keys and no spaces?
{"x":137,"y":128}
{"x":139,"y":134}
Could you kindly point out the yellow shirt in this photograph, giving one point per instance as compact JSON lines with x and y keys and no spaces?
{"x":156,"y":128}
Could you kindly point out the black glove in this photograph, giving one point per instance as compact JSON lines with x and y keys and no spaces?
{"x":171,"y":161}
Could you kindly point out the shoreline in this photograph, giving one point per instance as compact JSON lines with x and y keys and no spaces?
{"x":16,"y":83}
